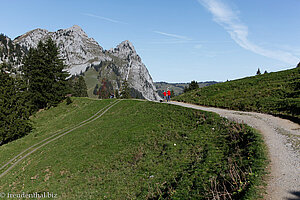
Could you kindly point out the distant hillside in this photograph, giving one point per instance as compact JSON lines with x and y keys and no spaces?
{"x":275,"y":93}
{"x":178,"y":87}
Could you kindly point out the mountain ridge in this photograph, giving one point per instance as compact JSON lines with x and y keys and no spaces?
{"x":76,"y":48}
{"x":80,"y":52}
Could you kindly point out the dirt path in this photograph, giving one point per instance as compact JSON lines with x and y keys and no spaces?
{"x":30,"y":150}
{"x":283,"y":140}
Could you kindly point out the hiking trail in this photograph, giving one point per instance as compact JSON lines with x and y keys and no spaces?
{"x":282,"y":138}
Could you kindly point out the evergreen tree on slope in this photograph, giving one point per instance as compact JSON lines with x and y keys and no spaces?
{"x":43,"y":71}
{"x":81,"y":87}
{"x":125,"y":93}
{"x":14,"y":111}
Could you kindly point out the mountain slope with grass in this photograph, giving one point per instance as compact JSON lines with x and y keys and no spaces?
{"x":276,"y":93}
{"x":135,"y":150}
{"x":178,"y":88}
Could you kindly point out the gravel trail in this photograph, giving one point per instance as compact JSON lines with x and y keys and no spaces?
{"x":282,"y":138}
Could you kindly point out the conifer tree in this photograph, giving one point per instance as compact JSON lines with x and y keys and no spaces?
{"x":117,"y":94}
{"x":77,"y":86}
{"x":14,"y":111}
{"x":96,"y":89}
{"x":125,"y":93}
{"x":258,"y":72}
{"x":193,"y":85}
{"x":82,"y":88}
{"x":45,"y":75}
{"x":186,"y":89}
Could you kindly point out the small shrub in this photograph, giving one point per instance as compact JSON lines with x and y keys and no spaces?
{"x":69,"y":100}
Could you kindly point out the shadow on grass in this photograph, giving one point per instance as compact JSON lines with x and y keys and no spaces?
{"x":296,"y":195}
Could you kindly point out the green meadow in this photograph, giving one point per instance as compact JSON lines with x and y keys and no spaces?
{"x":137,"y":150}
{"x":276,"y":93}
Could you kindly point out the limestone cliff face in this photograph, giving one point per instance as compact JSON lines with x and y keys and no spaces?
{"x":10,"y":53}
{"x":134,"y":71}
{"x":76,"y":48}
{"x":79,"y":52}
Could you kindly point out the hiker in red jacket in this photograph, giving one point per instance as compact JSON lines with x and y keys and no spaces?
{"x":169,"y":95}
{"x":165,"y":95}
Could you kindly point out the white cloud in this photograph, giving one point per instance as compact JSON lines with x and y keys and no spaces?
{"x":229,"y":20}
{"x":172,"y":35}
{"x":104,"y":18}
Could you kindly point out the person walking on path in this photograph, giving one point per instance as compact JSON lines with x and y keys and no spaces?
{"x":169,"y":95}
{"x":165,"y":95}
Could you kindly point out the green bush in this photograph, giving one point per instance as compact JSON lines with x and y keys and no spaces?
{"x":69,"y":100}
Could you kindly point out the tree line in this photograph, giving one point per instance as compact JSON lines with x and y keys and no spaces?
{"x":106,"y":90}
{"x":192,"y":86}
{"x":42,"y":83}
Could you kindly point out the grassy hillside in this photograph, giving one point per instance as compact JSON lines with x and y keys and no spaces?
{"x":91,"y":80}
{"x":136,"y":150}
{"x":177,"y":87}
{"x":275,"y":93}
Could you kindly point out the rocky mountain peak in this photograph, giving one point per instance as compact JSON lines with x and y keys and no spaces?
{"x":75,"y":30}
{"x":31,"y":38}
{"x":80,"y":52}
{"x":77,"y":49}
{"x":124,"y":50}
{"x":126,"y":45}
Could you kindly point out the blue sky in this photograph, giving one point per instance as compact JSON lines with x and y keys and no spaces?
{"x":178,"y":40}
